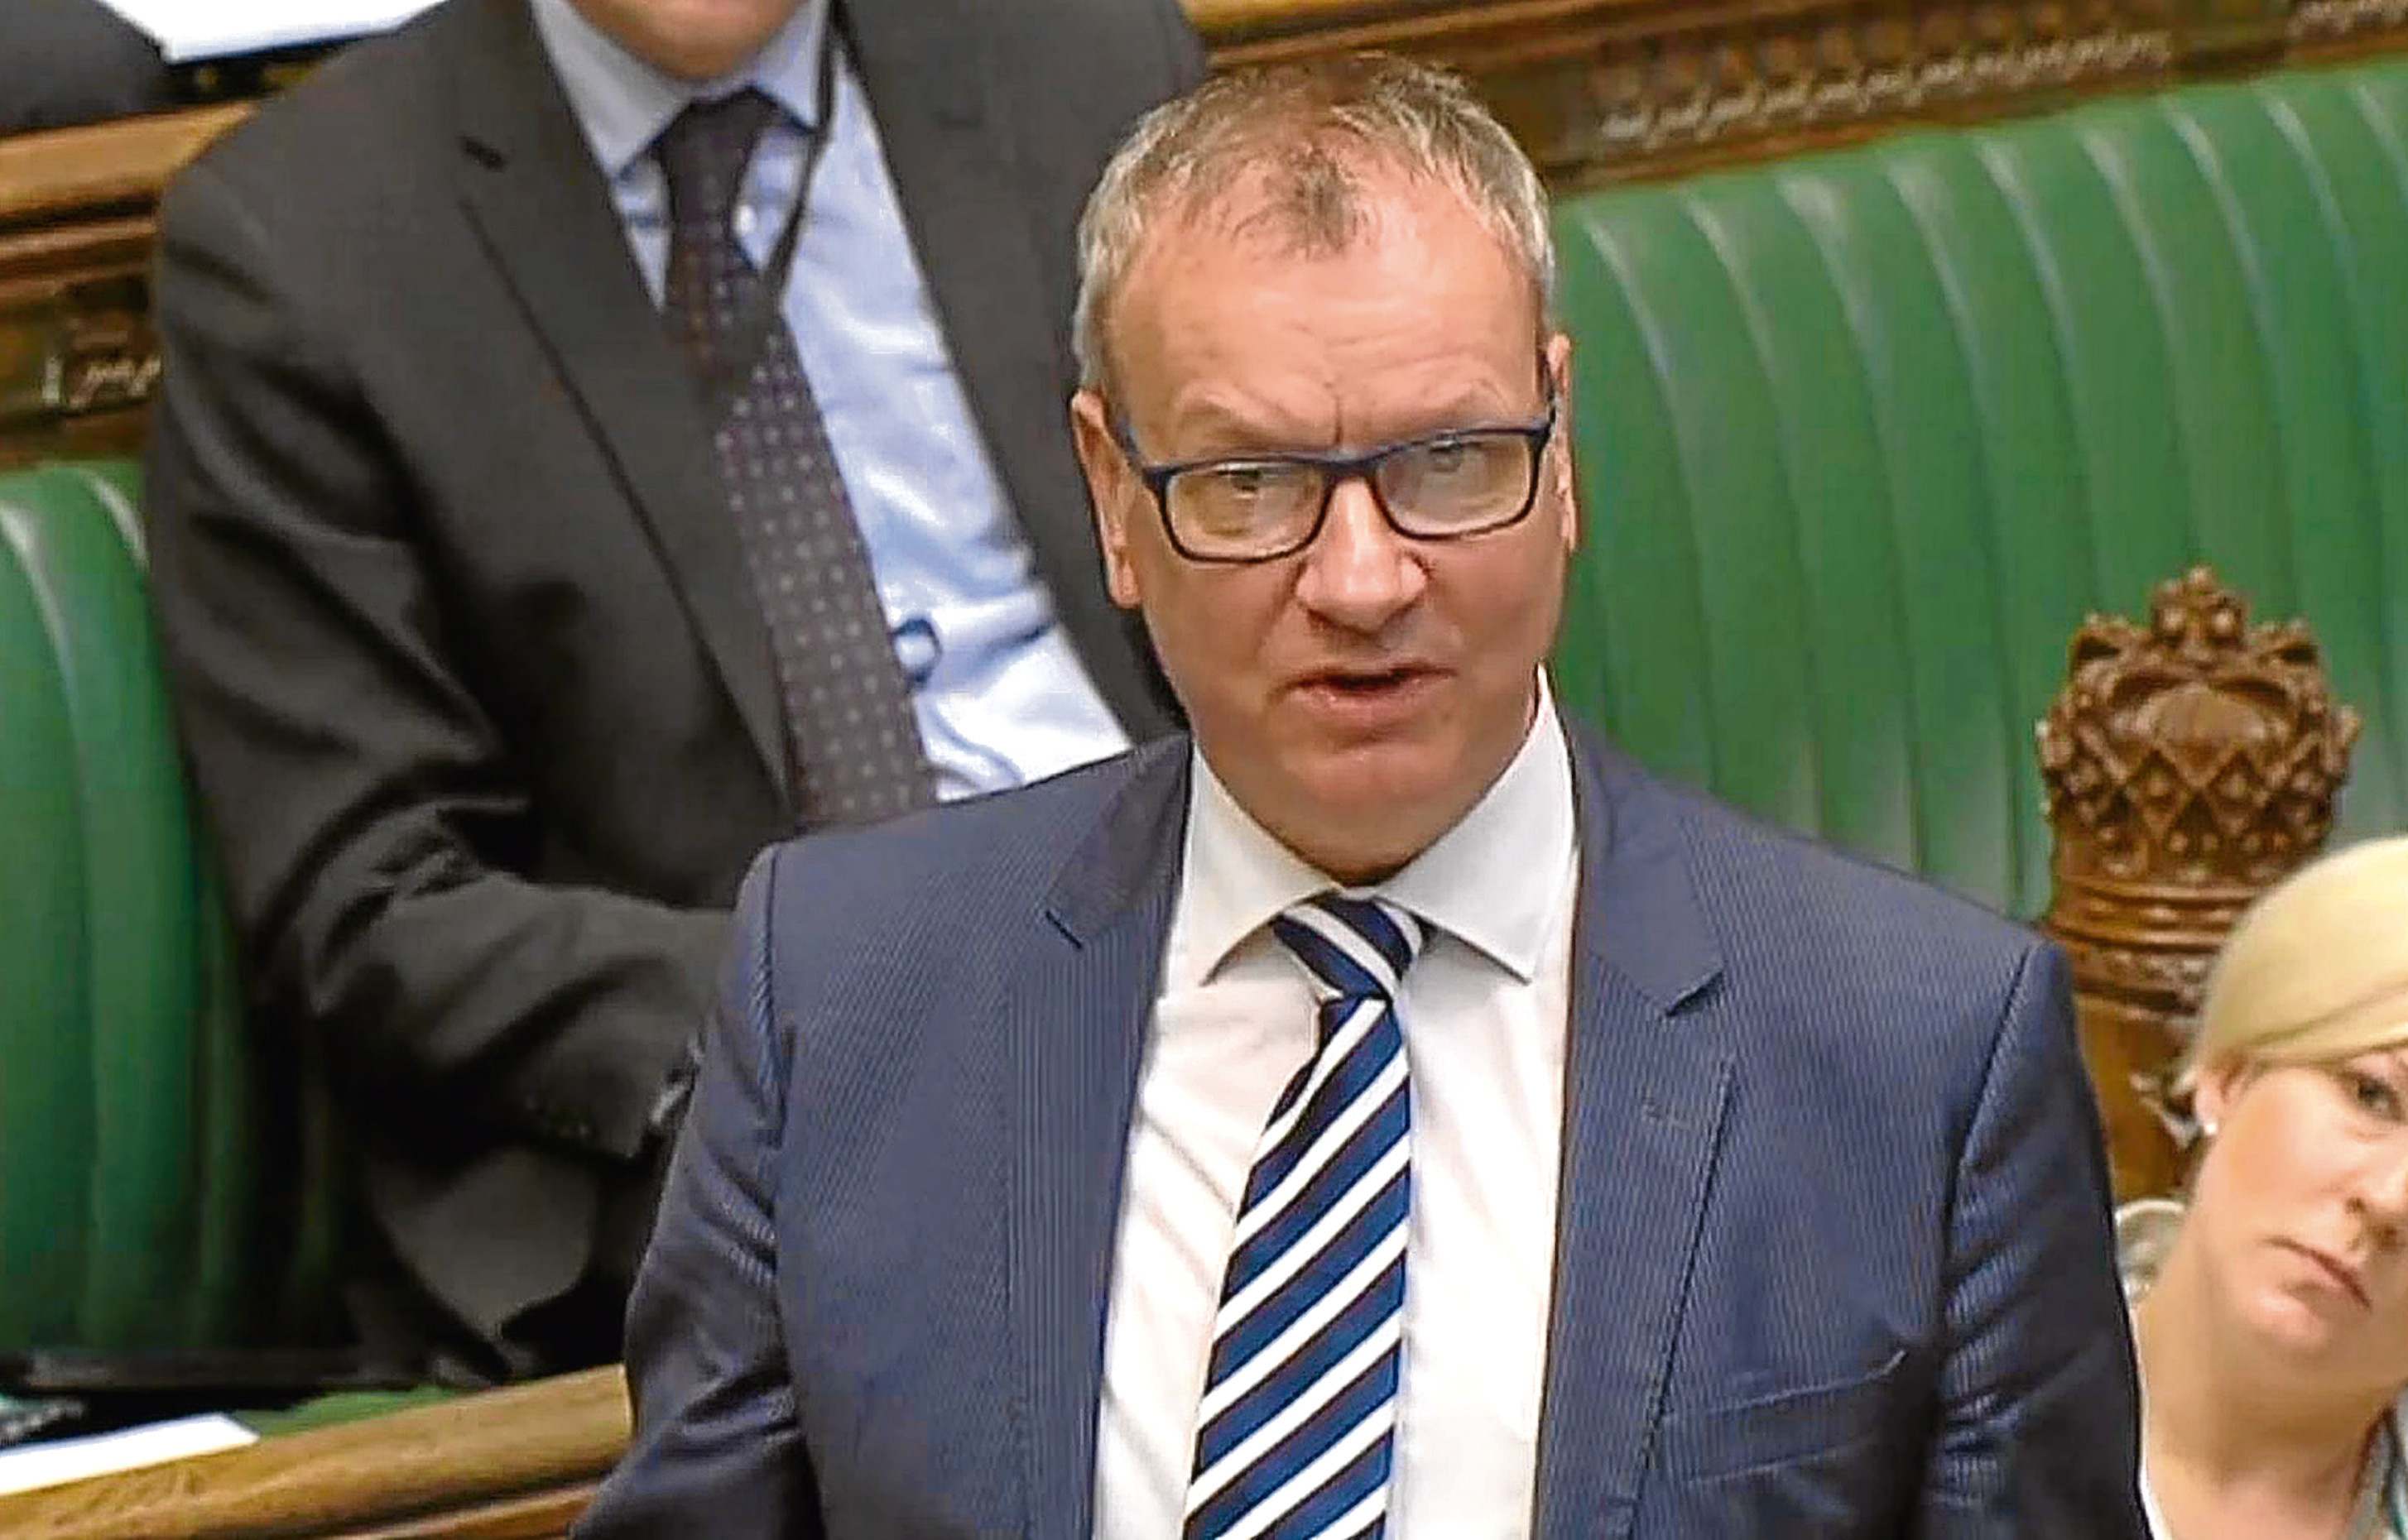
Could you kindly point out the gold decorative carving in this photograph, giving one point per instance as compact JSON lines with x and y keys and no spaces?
{"x":88,"y":348}
{"x":2228,"y":33}
{"x":2322,"y":21}
{"x":1605,"y":89}
{"x":1771,"y":76}
{"x":2190,"y":763}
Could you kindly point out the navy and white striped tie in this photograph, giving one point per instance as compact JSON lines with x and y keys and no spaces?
{"x":1297,"y":1430}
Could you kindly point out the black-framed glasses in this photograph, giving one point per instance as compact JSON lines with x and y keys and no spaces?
{"x":1259,"y":507}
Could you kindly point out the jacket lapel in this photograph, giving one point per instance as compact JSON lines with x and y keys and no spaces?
{"x":544,"y":212}
{"x":1077,"y":1016}
{"x":957,"y":181}
{"x":1647,"y":1085}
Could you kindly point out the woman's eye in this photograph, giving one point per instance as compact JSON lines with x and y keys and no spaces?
{"x":2372,"y":1094}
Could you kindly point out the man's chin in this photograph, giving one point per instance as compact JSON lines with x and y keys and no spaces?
{"x":1379,"y":803}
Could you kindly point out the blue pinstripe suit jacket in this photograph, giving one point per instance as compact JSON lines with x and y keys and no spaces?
{"x":1833,"y":1255}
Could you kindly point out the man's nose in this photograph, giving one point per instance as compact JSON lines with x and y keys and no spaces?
{"x":1359,"y":572}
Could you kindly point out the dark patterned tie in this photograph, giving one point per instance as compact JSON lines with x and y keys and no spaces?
{"x":850,"y":729}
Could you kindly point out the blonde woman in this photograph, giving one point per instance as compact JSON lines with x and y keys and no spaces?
{"x":2274,"y":1328}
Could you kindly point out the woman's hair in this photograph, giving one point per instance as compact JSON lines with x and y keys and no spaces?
{"x":2317,"y":970}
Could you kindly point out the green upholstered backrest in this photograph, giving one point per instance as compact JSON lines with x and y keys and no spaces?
{"x":150,"y":1190}
{"x":1863,"y":437}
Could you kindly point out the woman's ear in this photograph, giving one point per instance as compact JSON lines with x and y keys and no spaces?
{"x":2220,"y":1085}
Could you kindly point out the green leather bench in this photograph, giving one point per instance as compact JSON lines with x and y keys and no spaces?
{"x":1864,"y":435}
{"x":157,"y":1204}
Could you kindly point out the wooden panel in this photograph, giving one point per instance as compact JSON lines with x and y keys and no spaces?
{"x":115,"y":162}
{"x":77,"y":358}
{"x":545,"y":1516}
{"x":1610,"y":90}
{"x":511,"y":1464}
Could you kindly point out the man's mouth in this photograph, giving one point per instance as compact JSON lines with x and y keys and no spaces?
{"x":1368,"y":699}
{"x":1368,"y":681}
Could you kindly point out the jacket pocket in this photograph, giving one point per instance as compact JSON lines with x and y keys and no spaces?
{"x":1783,"y":1428}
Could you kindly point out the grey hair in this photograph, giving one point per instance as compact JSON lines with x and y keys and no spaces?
{"x":1298,"y":138}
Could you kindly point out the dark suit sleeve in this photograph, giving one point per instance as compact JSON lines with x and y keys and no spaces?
{"x":2039,"y":1429}
{"x":71,"y":62}
{"x":373,"y":825}
{"x":1185,"y":51}
{"x":716,"y":1448}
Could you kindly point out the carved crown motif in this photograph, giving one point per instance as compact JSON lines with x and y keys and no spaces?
{"x":2198,"y":751}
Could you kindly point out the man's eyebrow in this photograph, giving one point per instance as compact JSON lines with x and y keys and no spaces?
{"x":1214,"y":428}
{"x":1217,"y":428}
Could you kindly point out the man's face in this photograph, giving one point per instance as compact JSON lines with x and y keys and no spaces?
{"x":690,"y":39}
{"x":1358,"y":696}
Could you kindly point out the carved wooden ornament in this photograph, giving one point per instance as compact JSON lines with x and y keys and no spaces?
{"x":2190,"y":763}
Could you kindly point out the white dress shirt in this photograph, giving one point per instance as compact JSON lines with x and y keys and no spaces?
{"x":1483,"y":1014}
{"x":1000,"y":694}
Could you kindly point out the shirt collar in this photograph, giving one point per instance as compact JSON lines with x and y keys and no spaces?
{"x":1491,"y":881}
{"x":622,"y":103}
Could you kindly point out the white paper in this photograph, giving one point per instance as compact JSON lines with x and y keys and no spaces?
{"x":186,"y":30}
{"x":46,"y":1464}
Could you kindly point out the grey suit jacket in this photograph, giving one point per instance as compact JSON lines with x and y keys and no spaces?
{"x":1833,"y":1254}
{"x":69,"y":62}
{"x":474,"y":685}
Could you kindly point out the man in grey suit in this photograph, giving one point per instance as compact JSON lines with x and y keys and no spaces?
{"x":600,"y":437}
{"x":1390,"y":1113}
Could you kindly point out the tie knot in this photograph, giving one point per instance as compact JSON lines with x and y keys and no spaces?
{"x":703,"y":153}
{"x":1353,"y":948}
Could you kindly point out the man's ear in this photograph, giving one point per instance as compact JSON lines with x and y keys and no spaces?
{"x":1564,"y":486}
{"x":1111,"y":487}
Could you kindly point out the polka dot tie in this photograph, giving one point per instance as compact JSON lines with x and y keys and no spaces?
{"x":853,"y":741}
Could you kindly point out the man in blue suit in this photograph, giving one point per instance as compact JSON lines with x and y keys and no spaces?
{"x":1389,"y":1112}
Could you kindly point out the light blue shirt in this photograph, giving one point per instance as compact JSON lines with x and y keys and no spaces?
{"x":1001,"y":696}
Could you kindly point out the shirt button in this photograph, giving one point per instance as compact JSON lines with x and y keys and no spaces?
{"x":745,"y":221}
{"x":918,"y":648}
